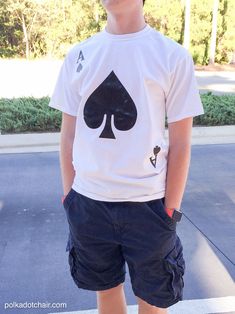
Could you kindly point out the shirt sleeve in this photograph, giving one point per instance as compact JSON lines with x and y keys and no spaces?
{"x":65,"y":97}
{"x":183,"y":98}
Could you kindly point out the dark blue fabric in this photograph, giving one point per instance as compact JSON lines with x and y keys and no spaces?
{"x":104,"y":236}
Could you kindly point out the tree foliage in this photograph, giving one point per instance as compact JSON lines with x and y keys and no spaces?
{"x":47,"y":28}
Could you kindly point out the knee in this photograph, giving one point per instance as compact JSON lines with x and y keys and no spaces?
{"x":145,"y":308}
{"x":111,"y":291}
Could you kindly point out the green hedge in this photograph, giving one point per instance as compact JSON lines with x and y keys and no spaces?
{"x":28,"y":114}
{"x":219,"y":110}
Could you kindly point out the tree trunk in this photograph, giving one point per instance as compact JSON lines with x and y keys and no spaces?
{"x":27,"y":52}
{"x":233,"y":58}
{"x":213,"y":33}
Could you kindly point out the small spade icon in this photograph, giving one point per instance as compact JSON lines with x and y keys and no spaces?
{"x":79,"y":61}
{"x":110,"y":98}
{"x":153,"y":160}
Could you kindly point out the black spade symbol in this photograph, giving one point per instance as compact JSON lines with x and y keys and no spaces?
{"x":153,"y":160}
{"x":110,"y":98}
{"x":156,"y":150}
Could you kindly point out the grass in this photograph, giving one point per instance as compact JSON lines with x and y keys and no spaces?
{"x":28,"y":114}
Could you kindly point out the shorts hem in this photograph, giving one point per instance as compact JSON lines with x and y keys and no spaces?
{"x":100,"y":288}
{"x":160,"y":304}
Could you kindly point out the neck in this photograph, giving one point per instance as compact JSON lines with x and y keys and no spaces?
{"x":125,"y":23}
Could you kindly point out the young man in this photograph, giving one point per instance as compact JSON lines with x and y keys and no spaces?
{"x":123,"y":184}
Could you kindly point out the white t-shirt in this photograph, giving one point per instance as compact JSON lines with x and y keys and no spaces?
{"x":120,"y":88}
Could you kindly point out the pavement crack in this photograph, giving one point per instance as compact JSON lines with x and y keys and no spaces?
{"x":209,"y":239}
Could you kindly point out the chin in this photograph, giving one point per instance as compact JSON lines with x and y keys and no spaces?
{"x":113,"y":4}
{"x":120,"y":6}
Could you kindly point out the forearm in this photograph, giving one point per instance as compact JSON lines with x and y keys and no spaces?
{"x":177,"y":172}
{"x":66,"y":166}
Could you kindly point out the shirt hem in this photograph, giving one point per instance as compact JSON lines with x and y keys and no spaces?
{"x":186,"y":115}
{"x":99,"y":197}
{"x":55,"y":106}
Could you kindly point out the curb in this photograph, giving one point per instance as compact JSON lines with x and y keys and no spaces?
{"x":49,"y":142}
{"x":30,"y":142}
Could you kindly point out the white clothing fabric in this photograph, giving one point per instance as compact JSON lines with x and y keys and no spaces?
{"x":121,"y":88}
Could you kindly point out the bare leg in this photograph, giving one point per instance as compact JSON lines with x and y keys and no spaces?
{"x":145,"y":308}
{"x":112,"y":301}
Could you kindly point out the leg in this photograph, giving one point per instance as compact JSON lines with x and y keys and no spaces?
{"x":153,"y":252}
{"x":112,"y":301}
{"x":145,"y":308}
{"x":95,"y":257}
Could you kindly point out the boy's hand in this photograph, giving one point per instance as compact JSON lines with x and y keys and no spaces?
{"x":177,"y":213}
{"x":169,"y":211}
{"x":63,"y":198}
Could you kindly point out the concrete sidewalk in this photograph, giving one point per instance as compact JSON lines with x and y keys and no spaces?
{"x":37,"y":78}
{"x":46,"y":142}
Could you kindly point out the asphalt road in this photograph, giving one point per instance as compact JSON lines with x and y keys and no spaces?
{"x":33,"y":231}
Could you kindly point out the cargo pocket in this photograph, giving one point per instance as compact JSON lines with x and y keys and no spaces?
{"x":69,"y":243}
{"x":174,"y":265}
{"x":70,"y":248}
{"x":73,"y":264}
{"x":71,"y":260}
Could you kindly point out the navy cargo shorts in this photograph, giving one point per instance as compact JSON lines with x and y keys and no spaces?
{"x":103,"y":235}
